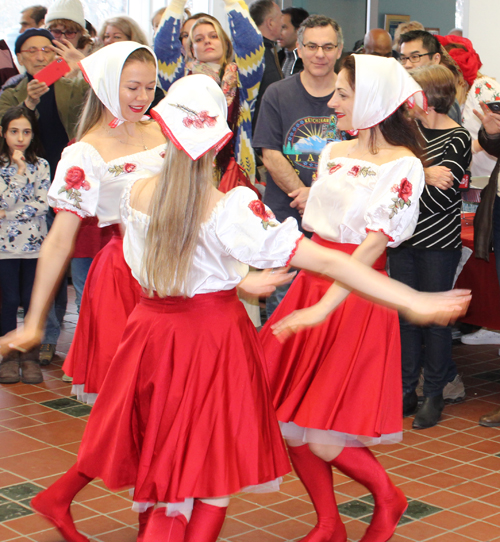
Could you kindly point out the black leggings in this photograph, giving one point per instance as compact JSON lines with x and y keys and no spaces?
{"x":16,"y":282}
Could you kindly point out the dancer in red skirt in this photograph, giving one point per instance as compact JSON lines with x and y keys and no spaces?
{"x":184,"y":411}
{"x":184,"y":415}
{"x":337,"y":387}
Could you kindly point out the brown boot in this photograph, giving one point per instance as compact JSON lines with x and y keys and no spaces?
{"x":30,"y":367}
{"x":492,"y":419}
{"x":9,"y":368}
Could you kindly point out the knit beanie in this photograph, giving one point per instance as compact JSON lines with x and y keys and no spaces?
{"x":66,"y":9}
{"x":27,"y":34}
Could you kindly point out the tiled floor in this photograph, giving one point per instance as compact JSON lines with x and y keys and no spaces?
{"x":449,"y":473}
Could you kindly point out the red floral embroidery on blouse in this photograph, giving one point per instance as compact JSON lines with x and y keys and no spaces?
{"x":75,"y":179}
{"x":335,"y":168}
{"x":354,"y":171}
{"x":259,"y":210}
{"x":404,"y":190}
{"x":128,"y":168}
{"x":162,"y":154}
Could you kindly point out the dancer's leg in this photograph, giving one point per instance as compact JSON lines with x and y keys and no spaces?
{"x":164,"y":528}
{"x":54,"y":503}
{"x":207,"y":519}
{"x":390,"y":503}
{"x":143,"y":522}
{"x":317,"y":477}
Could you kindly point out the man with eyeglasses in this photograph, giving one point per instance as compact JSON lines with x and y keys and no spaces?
{"x":295,"y":123}
{"x":419,"y":48}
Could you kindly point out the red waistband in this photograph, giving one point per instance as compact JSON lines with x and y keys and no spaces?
{"x":179,"y":303}
{"x":349,"y":248}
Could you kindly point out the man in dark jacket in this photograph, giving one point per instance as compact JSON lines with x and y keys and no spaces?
{"x":291,"y":19}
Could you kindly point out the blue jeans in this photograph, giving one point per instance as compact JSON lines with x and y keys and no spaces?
{"x":426,"y":271}
{"x":79,"y":271}
{"x":58,"y":308}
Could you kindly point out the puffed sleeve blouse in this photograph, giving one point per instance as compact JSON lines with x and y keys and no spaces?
{"x":240,"y":231}
{"x":352,"y":197}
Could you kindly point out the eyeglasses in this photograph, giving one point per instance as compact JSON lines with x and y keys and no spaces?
{"x":313,"y":47}
{"x":34,"y":50}
{"x":69,"y":34}
{"x":414,"y":58}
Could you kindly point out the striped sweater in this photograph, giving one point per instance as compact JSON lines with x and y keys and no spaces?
{"x":249,"y":53}
{"x":439,"y":225}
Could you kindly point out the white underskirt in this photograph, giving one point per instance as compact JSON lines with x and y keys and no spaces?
{"x":82,"y":395}
{"x":293,"y":431}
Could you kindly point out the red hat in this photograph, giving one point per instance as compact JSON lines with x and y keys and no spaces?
{"x":468,"y":61}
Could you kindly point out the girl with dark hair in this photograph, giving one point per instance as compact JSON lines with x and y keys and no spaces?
{"x":24,"y":182}
{"x":337,"y":387}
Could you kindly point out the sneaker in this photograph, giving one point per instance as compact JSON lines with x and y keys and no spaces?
{"x":482,"y":336}
{"x":454,"y":391}
{"x":66,"y":378}
{"x":47,"y":352}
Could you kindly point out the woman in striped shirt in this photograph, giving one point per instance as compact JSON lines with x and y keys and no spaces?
{"x":429,"y":259}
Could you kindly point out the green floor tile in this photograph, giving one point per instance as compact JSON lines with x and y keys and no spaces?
{"x":78,"y":411}
{"x":60,"y":404}
{"x":355,"y":509}
{"x":12,"y":510}
{"x":491,"y":376}
{"x":402,"y":521}
{"x":20,"y":491}
{"x":418,"y":510}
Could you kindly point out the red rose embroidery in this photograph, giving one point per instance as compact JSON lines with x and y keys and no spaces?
{"x":259,"y":210}
{"x":162,"y":154}
{"x":335,"y":168}
{"x":128,"y":168}
{"x":478,"y":90}
{"x":75,"y":179}
{"x":487,"y":85}
{"x":354,"y":171}
{"x":405,"y":190}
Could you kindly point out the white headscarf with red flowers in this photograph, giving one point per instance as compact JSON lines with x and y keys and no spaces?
{"x":102,"y":71}
{"x":382,"y":86}
{"x":193,"y":115}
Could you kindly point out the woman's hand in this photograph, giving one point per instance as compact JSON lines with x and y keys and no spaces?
{"x":299,"y":320}
{"x":439,"y":176}
{"x":263,"y":283}
{"x":440,"y":308}
{"x":65,"y":49}
{"x":22,"y":339}
{"x":20,"y":161}
{"x":490,"y":120}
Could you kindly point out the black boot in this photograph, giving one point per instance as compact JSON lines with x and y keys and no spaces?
{"x":429,"y":413}
{"x":410,"y":403}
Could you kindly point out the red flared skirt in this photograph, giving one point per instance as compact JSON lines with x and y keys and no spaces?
{"x":185,"y":410}
{"x":339,"y":382}
{"x":109,"y":296}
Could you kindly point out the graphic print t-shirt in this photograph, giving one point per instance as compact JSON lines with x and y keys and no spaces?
{"x":298,"y":125}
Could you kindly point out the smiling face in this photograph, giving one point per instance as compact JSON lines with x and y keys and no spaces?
{"x":137,"y":89}
{"x":31,"y":55}
{"x":207,"y":46}
{"x":318,"y":63}
{"x":18,"y":135}
{"x":343,"y":102}
{"x":112,"y":34}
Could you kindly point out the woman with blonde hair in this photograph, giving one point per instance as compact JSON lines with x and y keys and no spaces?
{"x":121,"y":28}
{"x":186,"y":418}
{"x":239,"y":77}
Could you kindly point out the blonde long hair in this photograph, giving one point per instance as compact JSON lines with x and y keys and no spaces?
{"x":227,"y":46}
{"x":178,"y":208}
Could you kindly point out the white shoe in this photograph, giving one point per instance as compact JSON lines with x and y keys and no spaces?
{"x":482,"y":336}
{"x":66,"y":378}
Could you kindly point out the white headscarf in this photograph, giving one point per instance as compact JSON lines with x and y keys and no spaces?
{"x":102,"y":71}
{"x":193,"y":115}
{"x":382,"y":86}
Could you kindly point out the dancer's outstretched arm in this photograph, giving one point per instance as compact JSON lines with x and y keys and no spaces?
{"x":419,"y":307}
